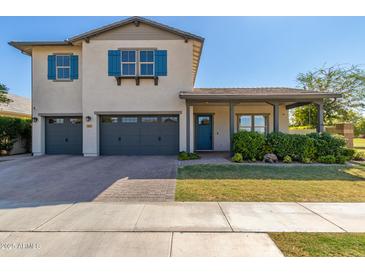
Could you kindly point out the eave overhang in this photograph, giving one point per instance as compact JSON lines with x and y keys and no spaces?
{"x":262,"y":98}
{"x":26,"y":47}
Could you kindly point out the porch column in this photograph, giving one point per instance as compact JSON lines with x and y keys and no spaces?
{"x":320,"y":126}
{"x":231,"y":124}
{"x":187,"y":127}
{"x":276,"y":126}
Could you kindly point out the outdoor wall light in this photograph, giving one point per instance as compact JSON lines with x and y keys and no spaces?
{"x":88,"y":118}
{"x":35,"y":119}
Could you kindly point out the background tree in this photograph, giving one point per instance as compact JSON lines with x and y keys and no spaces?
{"x":359,"y":128}
{"x":3,"y":93}
{"x":349,"y":81}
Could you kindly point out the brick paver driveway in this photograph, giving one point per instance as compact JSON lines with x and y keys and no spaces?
{"x":55,"y":179}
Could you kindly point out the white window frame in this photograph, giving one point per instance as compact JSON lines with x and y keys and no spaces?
{"x":146,"y":63}
{"x":129,"y":63}
{"x":69,"y":67}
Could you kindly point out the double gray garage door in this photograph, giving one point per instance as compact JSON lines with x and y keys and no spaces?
{"x":139,"y":135}
{"x":119,"y":135}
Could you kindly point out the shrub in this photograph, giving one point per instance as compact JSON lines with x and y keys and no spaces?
{"x":359,"y":156}
{"x":341,"y":159}
{"x":249,"y":144}
{"x":328,"y":159}
{"x":280,"y":144}
{"x":294,"y":145}
{"x":304,"y":148}
{"x":183,"y":155}
{"x":237,"y":158}
{"x":306,"y":160}
{"x":327,"y":144}
{"x":11,"y":129}
{"x":287,"y":159}
{"x":348,"y":153}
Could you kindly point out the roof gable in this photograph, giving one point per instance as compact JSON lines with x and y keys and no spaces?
{"x":132,"y":32}
{"x":136,"y":21}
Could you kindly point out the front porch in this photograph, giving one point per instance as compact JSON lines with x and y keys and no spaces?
{"x":214,"y":115}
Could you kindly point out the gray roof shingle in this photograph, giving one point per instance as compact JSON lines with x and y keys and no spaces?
{"x":19,"y":105}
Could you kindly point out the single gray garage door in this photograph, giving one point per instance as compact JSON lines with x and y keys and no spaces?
{"x":139,"y":135}
{"x":64,"y":135}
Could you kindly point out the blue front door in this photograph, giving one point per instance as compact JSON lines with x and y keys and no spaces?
{"x":204,"y":132}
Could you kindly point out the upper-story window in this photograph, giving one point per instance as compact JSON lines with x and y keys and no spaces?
{"x":129,"y":62}
{"x":146,"y":63}
{"x":63,"y":67}
{"x":137,"y":63}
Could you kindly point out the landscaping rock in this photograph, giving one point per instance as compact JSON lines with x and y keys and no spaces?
{"x":270,"y":158}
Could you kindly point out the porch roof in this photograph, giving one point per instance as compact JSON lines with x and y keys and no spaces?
{"x":259,"y":94}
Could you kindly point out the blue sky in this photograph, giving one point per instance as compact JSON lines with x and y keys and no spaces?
{"x":238,"y":51}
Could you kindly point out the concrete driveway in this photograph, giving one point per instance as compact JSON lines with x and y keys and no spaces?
{"x":67,"y":179}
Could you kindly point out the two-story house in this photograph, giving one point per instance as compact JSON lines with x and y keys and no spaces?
{"x":128,"y":89}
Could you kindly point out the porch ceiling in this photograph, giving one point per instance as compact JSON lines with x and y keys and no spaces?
{"x":255,"y":94}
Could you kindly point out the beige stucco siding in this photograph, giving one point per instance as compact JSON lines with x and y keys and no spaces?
{"x":220,"y":125}
{"x":140,"y":32}
{"x":101,"y":93}
{"x":221,"y":120}
{"x":52,"y":97}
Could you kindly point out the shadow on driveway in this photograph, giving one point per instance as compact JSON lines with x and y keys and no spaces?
{"x":48,"y":180}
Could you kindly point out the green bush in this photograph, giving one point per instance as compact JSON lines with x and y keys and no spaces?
{"x":328,"y":159}
{"x":348,"y":153}
{"x":287,"y":159}
{"x":237,"y":158}
{"x":249,"y":144}
{"x":304,"y":148}
{"x":327,"y":144}
{"x":294,"y":145}
{"x":280,"y":144}
{"x":359,"y":156}
{"x":342,"y":159}
{"x":11,"y":129}
{"x":306,"y":160}
{"x":183,"y":155}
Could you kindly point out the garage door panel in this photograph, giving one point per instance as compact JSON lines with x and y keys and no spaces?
{"x":130,"y":140}
{"x":139,"y":135}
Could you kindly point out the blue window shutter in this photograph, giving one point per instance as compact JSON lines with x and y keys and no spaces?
{"x":114,"y":63}
{"x":160,"y":62}
{"x":74,"y":67}
{"x":51,"y":67}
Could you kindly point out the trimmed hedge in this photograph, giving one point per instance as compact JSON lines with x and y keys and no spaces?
{"x":249,"y":144}
{"x":313,"y":147}
{"x":296,"y":146}
{"x":11,"y":129}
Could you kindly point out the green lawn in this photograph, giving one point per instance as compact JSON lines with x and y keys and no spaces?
{"x":271,"y":184}
{"x":359,"y":144}
{"x":320,"y":244}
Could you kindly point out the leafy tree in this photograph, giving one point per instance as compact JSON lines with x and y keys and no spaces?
{"x":349,"y":81}
{"x":3,"y":93}
{"x":359,"y":127}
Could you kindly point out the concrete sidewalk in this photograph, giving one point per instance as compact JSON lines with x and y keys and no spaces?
{"x":165,"y":229}
{"x":184,"y":217}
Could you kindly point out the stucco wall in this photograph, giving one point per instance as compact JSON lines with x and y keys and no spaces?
{"x":221,"y":120}
{"x":101,"y":93}
{"x":52,"y":97}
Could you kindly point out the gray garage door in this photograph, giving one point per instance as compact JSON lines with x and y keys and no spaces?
{"x":63,"y":135}
{"x":139,"y":135}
